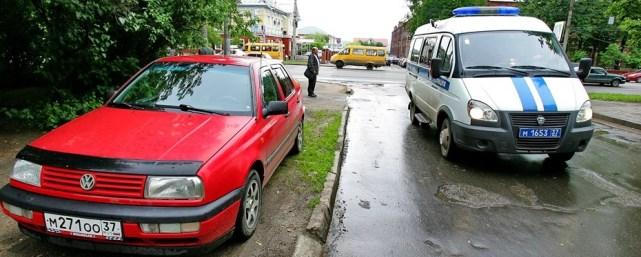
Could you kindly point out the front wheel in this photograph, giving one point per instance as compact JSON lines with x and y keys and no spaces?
{"x":370,"y":66}
{"x":249,"y":212}
{"x":615,"y":83}
{"x":561,"y":157}
{"x":413,"y":111}
{"x":449,"y":150}
{"x":340,"y":64}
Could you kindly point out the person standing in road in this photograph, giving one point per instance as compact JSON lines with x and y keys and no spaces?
{"x":311,"y":73}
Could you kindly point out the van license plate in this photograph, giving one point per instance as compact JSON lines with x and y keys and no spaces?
{"x":82,"y":227}
{"x":540,"y":132}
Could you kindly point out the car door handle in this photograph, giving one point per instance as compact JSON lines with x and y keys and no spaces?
{"x":434,"y":87}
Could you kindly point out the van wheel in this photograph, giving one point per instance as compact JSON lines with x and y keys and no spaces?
{"x":449,"y":150}
{"x":561,"y":157}
{"x":615,"y":83}
{"x":370,"y":66}
{"x":413,"y":111}
{"x":250,"y":203}
{"x":340,"y":64}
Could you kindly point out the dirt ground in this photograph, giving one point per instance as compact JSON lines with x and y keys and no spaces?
{"x":284,"y":215}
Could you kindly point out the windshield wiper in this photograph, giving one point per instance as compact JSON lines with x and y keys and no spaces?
{"x":490,"y":67}
{"x":189,"y":108}
{"x":534,"y":67}
{"x":131,"y":105}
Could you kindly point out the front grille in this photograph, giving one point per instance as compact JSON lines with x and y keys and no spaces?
{"x":529,"y":120}
{"x":107,"y":184}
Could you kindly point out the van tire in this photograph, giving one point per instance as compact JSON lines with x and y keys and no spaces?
{"x":561,"y":157}
{"x":370,"y":66}
{"x":245,"y":228}
{"x":340,"y":64}
{"x":449,"y":149}
{"x":413,"y":111}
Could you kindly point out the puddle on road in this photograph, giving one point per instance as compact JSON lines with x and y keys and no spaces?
{"x":622,"y":196}
{"x":471,"y":196}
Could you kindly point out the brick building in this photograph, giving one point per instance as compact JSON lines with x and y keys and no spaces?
{"x":401,"y":38}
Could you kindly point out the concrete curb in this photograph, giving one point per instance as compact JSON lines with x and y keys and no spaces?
{"x":310,"y":243}
{"x":617,"y":121}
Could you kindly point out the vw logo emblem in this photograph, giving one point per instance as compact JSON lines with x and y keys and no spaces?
{"x":87,"y":182}
{"x":540,"y":120}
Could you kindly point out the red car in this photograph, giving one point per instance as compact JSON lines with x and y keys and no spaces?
{"x":634,"y":76}
{"x":175,"y":161}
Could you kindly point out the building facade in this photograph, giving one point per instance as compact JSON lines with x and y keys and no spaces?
{"x":274,"y":25}
{"x":401,"y":38}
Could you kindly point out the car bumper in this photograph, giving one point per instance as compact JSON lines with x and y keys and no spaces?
{"x":503,"y":140}
{"x":216,"y":220}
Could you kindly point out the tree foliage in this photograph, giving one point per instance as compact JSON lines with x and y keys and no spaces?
{"x":424,"y":10}
{"x":320,"y":40}
{"x":73,"y":48}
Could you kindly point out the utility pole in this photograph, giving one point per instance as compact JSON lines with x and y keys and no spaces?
{"x":295,"y":26}
{"x":568,"y":26}
{"x":227,"y":40}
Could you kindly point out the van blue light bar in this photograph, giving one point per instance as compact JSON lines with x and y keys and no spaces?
{"x":486,"y":11}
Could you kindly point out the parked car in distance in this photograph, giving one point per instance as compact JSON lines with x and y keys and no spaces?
{"x":368,"y":56}
{"x":174,"y":162}
{"x":600,"y":76}
{"x":402,"y":62}
{"x":634,"y":76}
{"x":391,"y":59}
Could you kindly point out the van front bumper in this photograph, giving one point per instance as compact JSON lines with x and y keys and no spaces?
{"x":504,"y":139}
{"x":217,"y":220}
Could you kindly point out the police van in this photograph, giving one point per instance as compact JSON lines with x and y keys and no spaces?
{"x":491,"y":80}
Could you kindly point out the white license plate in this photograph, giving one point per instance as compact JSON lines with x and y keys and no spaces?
{"x":82,"y":227}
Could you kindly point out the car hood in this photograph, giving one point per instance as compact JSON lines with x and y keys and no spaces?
{"x":528,"y":93}
{"x":143,"y":135}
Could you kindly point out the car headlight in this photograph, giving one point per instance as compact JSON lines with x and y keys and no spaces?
{"x":174,"y":188}
{"x":26,"y":172}
{"x":480,"y":111}
{"x":585,"y":113}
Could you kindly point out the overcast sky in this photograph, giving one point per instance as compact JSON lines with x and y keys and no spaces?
{"x":348,"y":19}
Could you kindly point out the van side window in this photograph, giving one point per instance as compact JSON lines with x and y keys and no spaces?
{"x":445,"y":52}
{"x":345,"y":51}
{"x":371,"y":52}
{"x":428,"y":51}
{"x":381,"y":52}
{"x":416,"y":49}
{"x":358,"y":51}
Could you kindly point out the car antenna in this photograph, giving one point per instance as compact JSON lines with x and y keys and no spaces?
{"x":432,"y":23}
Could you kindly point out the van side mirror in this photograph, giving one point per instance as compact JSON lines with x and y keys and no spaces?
{"x":275,"y":108}
{"x":585,"y":64}
{"x":435,"y":67}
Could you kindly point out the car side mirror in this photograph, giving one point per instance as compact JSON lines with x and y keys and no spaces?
{"x":275,"y":108}
{"x":585,"y":64}
{"x":435,"y":67}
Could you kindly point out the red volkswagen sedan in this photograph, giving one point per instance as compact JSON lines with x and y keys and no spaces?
{"x":175,"y":161}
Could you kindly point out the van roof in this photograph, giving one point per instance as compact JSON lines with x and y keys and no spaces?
{"x":466,"y":24}
{"x":367,"y":47}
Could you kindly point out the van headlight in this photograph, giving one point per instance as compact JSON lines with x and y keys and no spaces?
{"x":174,"y":188}
{"x":481,"y":111}
{"x":585,"y":113}
{"x":26,"y":172}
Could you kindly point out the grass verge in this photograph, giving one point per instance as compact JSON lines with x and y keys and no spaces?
{"x":320,"y":136}
{"x":616,"y":97}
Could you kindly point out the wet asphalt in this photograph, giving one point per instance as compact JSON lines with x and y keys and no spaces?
{"x":398,"y":197}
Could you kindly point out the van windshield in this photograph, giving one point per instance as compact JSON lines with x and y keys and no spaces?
{"x":518,"y":53}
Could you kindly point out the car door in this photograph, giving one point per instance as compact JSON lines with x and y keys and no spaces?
{"x":293,"y":99}
{"x":412,"y":67}
{"x":273,"y":126}
{"x":426,"y":90}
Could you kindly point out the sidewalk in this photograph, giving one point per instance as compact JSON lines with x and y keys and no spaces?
{"x":626,"y":114}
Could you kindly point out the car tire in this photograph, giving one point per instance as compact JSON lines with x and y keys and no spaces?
{"x":615,"y":83}
{"x":413,"y":111}
{"x":449,"y":150}
{"x":340,"y":64}
{"x":298,"y":143}
{"x":561,"y":157}
{"x":248,"y":216}
{"x":370,"y":66}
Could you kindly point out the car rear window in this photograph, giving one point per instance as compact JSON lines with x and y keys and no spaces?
{"x":213,"y":87}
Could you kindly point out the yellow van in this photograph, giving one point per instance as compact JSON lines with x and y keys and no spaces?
{"x":368,"y":56}
{"x":275,"y":50}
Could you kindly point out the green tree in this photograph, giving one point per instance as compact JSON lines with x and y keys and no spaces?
{"x":320,"y":40}
{"x":629,"y":19}
{"x":611,"y":56}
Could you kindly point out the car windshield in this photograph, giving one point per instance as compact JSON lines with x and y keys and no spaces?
{"x":536,"y":53}
{"x":211,"y":88}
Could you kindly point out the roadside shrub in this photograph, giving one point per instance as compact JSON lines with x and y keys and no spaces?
{"x":578,"y":54}
{"x":47,"y":115}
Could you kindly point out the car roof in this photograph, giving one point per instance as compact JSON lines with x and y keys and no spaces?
{"x":466,"y":24}
{"x":219,"y":59}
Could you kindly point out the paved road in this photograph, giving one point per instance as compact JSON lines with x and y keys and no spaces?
{"x":398,"y":197}
{"x":382,"y":75}
{"x":627,"y":88}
